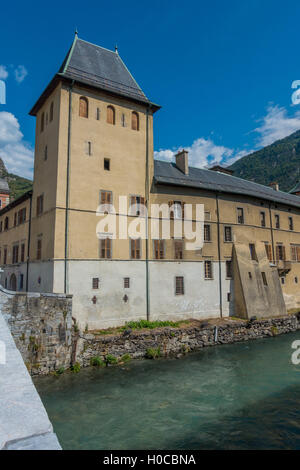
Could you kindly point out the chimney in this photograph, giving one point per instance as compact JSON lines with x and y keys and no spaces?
{"x":182,"y":161}
{"x":274,"y":186}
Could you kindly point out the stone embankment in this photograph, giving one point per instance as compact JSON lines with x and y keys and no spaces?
{"x":188,"y":337}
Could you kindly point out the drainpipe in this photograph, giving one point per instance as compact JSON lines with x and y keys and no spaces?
{"x":68,"y":190}
{"x":271,"y":228}
{"x":28,"y":244}
{"x":147,"y":215}
{"x":219,"y":256}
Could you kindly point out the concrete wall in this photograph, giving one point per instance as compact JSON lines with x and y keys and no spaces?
{"x":24,"y":423}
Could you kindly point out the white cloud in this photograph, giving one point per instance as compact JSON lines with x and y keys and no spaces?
{"x":202,"y":153}
{"x":3,"y":72}
{"x":14,"y":151}
{"x":20,"y":73}
{"x":276,"y":124}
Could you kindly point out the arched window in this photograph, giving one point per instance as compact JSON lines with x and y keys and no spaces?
{"x":6,"y":223}
{"x":135,"y":121}
{"x":42,"y":122}
{"x":51,"y":112}
{"x":83,"y":107}
{"x":111,"y":115}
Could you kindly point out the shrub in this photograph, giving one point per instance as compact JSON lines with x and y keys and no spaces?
{"x":97,"y":362}
{"x":153,"y":353}
{"x":125,"y":358}
{"x":75,"y":367}
{"x":110,"y":359}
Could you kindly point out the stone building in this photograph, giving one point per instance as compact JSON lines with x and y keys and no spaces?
{"x":94,"y":143}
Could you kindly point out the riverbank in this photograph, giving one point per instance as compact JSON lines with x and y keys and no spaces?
{"x":105,"y":347}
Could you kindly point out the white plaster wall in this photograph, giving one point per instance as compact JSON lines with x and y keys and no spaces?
{"x":110,"y":308}
{"x":44,"y":271}
{"x":200,"y":300}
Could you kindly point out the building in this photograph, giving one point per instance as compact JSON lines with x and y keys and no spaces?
{"x":94,"y":143}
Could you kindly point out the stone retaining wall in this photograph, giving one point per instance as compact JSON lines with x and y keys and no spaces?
{"x":41,"y":325}
{"x":177,"y":341}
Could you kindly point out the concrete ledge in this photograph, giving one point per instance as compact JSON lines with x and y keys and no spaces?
{"x":24,"y":422}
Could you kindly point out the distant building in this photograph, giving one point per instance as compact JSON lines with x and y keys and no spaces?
{"x":4,"y":193}
{"x":94,"y":143}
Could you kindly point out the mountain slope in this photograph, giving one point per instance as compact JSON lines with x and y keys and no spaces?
{"x":17,"y":184}
{"x":278,"y":162}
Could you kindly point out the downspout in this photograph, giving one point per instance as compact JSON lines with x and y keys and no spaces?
{"x":28,"y":244}
{"x":271,"y":228}
{"x":66,"y":287}
{"x":147,"y":215}
{"x":219,"y":256}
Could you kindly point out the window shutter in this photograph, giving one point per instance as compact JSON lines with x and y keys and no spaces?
{"x":182,"y":209}
{"x":283,"y":252}
{"x":171,"y":203}
{"x":142,"y":209}
{"x":277,"y":252}
{"x":298,"y":253}
{"x":137,"y":248}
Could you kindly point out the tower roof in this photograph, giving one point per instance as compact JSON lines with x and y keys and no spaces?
{"x":98,"y":67}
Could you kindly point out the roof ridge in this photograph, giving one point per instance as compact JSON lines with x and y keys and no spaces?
{"x":96,"y":45}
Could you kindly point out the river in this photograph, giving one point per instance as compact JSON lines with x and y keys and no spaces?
{"x":239,"y":396}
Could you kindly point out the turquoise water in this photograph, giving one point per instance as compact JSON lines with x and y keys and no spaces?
{"x":241,"y":396}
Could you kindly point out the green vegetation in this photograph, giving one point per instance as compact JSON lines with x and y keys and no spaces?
{"x":75,"y":368}
{"x":125,"y":358}
{"x":278,"y":162}
{"x":97,"y":362}
{"x":138,"y":325}
{"x":153,"y":353}
{"x":274,"y":330}
{"x":110,"y":359}
{"x":17,"y":185}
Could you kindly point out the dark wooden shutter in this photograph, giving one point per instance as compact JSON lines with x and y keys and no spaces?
{"x":171,"y":203}
{"x":298,"y":253}
{"x":283,"y":253}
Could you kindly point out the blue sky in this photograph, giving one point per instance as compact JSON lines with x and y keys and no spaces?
{"x":222,"y":71}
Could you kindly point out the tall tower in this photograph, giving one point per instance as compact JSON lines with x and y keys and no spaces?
{"x":94,"y":143}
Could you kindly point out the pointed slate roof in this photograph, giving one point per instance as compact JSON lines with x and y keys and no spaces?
{"x":98,"y":67}
{"x":167,"y":173}
{"x":296,"y":189}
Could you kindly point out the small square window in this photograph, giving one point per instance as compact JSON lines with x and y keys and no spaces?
{"x":250,"y":275}
{"x":126,"y":282}
{"x":282,"y":280}
{"x":179,"y":285}
{"x":228,"y":297}
{"x":95,"y":283}
{"x":264,"y":278}
{"x":107,"y":164}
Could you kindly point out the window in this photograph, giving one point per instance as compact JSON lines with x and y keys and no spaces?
{"x":21,"y":281}
{"x":105,"y":248}
{"x":207,"y":235}
{"x":268,"y":251}
{"x":22,"y":252}
{"x":83,"y":107}
{"x":95,"y":283}
{"x":228,"y":297}
{"x":6,"y":223}
{"x":46,"y":153}
{"x":178,"y":247}
{"x":291,"y":223}
{"x":135,"y":248}
{"x":282,"y":280}
{"x":159,"y":249}
{"x":253,"y":254}
{"x":264,"y":278}
{"x":227,"y":234}
{"x":39,"y":249}
{"x":98,"y":114}
{"x":1,"y":226}
{"x":42,"y":122}
{"x":176,"y":209}
{"x":39,"y":205}
{"x":240,"y":215}
{"x":296,"y":280}
{"x":208,"y":270}
{"x":51,"y":111}
{"x":5,"y":256}
{"x":280,"y":252}
{"x":250,"y":275}
{"x":229,"y":269}
{"x":88,"y":148}
{"x":135,"y":121}
{"x":110,"y":118}
{"x":263,"y":219}
{"x":179,"y":285}
{"x":206,"y":215}
{"x":277,"y":221}
{"x":15,"y":219}
{"x":123,"y":121}
{"x":137,"y":205}
{"x":126,"y":282}
{"x":15,"y":254}
{"x":46,"y":119}
{"x":106,"y":201}
{"x":22,"y":216}
{"x":107,"y":164}
{"x":295,"y":252}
